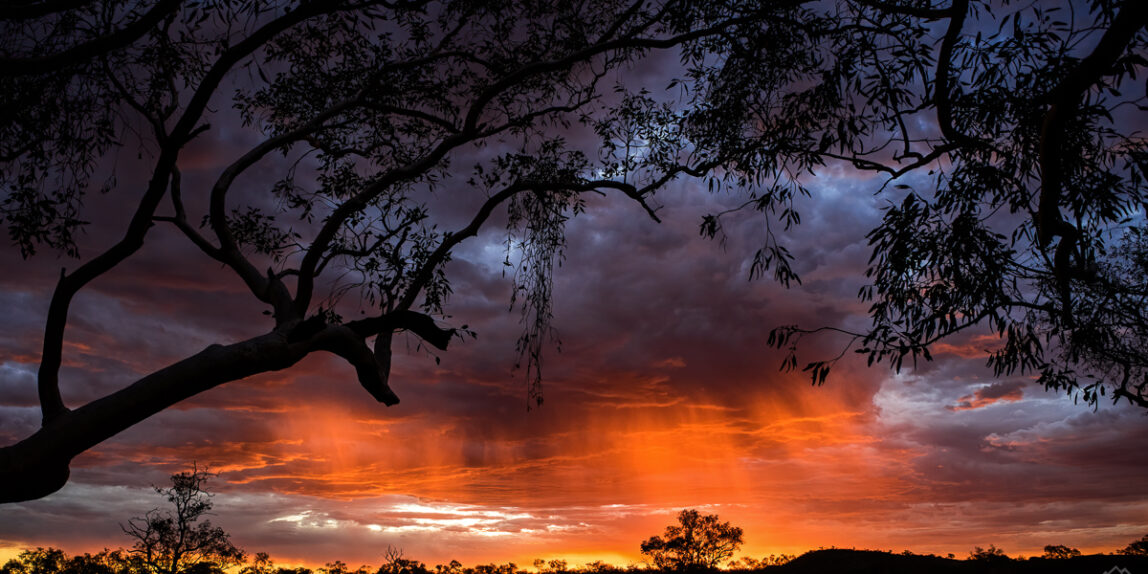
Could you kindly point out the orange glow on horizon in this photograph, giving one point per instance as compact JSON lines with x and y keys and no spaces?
{"x":595,"y":472}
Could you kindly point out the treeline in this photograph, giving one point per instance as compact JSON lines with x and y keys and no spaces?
{"x":838,"y":560}
{"x":56,"y":561}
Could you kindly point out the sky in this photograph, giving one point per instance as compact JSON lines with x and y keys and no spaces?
{"x":664,"y":396}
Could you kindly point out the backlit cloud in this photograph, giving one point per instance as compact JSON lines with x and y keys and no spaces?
{"x":1010,"y":391}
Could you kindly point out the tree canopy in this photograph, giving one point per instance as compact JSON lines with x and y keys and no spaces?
{"x":182,"y":539}
{"x":698,"y":542}
{"x":1004,"y":134}
{"x":1060,"y":552}
{"x":1137,"y":548}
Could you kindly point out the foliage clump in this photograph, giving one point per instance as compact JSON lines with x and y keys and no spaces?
{"x":1060,"y":552}
{"x":1137,"y":548}
{"x":697,"y":542}
{"x":990,"y":554}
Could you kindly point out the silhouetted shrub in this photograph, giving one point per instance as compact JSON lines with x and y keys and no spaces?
{"x":990,"y":554}
{"x":1060,"y":552}
{"x":1138,"y":548}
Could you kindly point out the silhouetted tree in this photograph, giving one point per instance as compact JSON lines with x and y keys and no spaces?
{"x":453,"y":567}
{"x":697,"y":542}
{"x":180,"y":540}
{"x":104,"y":562}
{"x":595,"y":567}
{"x":1020,"y":126}
{"x":1137,"y":548}
{"x":553,"y":565}
{"x":507,"y":568}
{"x":394,"y":563}
{"x":990,"y":554}
{"x":34,"y":561}
{"x":261,"y":563}
{"x":1060,"y":552}
{"x":1028,"y":180}
{"x":750,"y":563}
{"x":92,"y":86}
{"x":340,"y":567}
{"x":56,"y":561}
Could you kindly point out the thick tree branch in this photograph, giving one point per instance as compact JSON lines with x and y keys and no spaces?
{"x":413,"y":321}
{"x":372,"y":371}
{"x":898,"y":171}
{"x":943,"y":88}
{"x":1063,"y":103}
{"x":38,"y":465}
{"x":87,"y":50}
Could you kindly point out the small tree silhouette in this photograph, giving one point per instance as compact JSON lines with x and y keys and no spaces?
{"x":455,"y":567}
{"x":553,"y":565}
{"x":1138,"y":548}
{"x":176,"y":541}
{"x":394,"y":563}
{"x":990,"y":554}
{"x":699,"y":543}
{"x":1060,"y":552}
{"x":261,"y":564}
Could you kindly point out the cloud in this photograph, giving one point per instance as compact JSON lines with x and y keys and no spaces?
{"x":1010,"y":391}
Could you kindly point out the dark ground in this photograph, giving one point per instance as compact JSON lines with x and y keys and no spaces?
{"x":838,"y":561}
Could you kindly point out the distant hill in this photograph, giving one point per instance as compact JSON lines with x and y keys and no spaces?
{"x":838,"y":561}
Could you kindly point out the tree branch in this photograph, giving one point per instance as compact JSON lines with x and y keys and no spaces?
{"x":471,"y":132}
{"x":916,"y":12}
{"x":26,"y":10}
{"x":1063,"y":106}
{"x":81,"y":52}
{"x":1064,"y":100}
{"x":943,"y":89}
{"x":266,"y":288}
{"x":48,"y":386}
{"x":180,"y":220}
{"x":38,"y":465}
{"x":634,"y":43}
{"x":441,"y":122}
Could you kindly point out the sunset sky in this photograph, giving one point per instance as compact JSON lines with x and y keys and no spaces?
{"x":663,"y":396}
